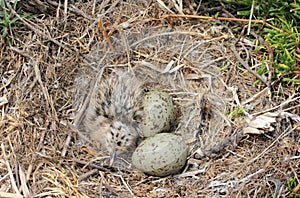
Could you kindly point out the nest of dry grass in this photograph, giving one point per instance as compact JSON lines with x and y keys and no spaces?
{"x":174,"y":61}
{"x":40,"y":152}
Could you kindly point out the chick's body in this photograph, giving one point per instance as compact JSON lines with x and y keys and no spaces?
{"x":113,"y":114}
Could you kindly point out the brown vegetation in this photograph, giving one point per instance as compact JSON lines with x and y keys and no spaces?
{"x":41,"y":153}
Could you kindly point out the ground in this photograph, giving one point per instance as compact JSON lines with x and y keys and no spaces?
{"x":41,"y":154}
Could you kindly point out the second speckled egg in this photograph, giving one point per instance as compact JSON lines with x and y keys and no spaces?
{"x":161,"y":155}
{"x":159,"y":113}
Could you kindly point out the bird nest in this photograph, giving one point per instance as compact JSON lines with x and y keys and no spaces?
{"x":177,"y":62}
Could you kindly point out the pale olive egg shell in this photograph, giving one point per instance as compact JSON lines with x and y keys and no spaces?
{"x":161,"y":155}
{"x":159,"y":113}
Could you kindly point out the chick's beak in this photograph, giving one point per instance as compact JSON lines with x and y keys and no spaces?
{"x":112,"y":157}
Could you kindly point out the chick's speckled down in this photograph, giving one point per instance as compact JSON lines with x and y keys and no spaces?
{"x":110,"y":120}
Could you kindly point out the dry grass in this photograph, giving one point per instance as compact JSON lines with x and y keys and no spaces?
{"x":41,"y":154}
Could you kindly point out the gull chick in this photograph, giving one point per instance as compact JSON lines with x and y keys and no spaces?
{"x":112,"y":116}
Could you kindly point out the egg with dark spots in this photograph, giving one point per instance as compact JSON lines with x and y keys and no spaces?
{"x":159,"y":113}
{"x":161,"y":155}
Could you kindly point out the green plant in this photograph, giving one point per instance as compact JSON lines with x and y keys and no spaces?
{"x":285,"y":16}
{"x":237,"y":111}
{"x":8,"y":20}
{"x":292,"y":184}
{"x":285,"y":41}
{"x":281,"y":35}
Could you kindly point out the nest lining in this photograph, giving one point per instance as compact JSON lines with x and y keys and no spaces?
{"x":166,"y":60}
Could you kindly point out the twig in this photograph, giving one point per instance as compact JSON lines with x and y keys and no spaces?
{"x":65,"y":8}
{"x":246,"y":65}
{"x":86,"y":175}
{"x":251,"y":175}
{"x":267,"y":45}
{"x":220,"y":18}
{"x":284,"y":103}
{"x":296,"y":189}
{"x":8,"y":82}
{"x":231,"y":140}
{"x":23,"y":181}
{"x":271,"y":145}
{"x":40,"y":32}
{"x":161,"y":3}
{"x":278,"y":187}
{"x":12,"y":179}
{"x":191,"y":173}
{"x":257,"y":95}
{"x":23,"y":53}
{"x":105,"y":35}
{"x":250,"y":18}
{"x":126,"y":185}
{"x":109,"y":187}
{"x":3,"y":100}
{"x":271,"y":57}
{"x":233,"y":183}
{"x":66,"y":145}
{"x":86,"y":100}
{"x":89,"y":164}
{"x":44,"y":90}
{"x":72,"y":8}
{"x":10,"y":195}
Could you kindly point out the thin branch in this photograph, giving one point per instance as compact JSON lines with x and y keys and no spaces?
{"x":221,"y":19}
{"x":246,"y":65}
{"x":40,"y":32}
{"x":105,"y":35}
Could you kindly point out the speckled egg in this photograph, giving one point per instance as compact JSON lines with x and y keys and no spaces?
{"x":159,"y":113}
{"x":161,"y":155}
